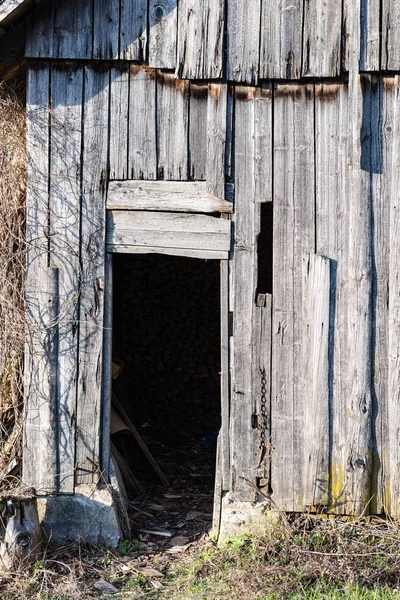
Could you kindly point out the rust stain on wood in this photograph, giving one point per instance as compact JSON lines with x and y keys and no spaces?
{"x":293,"y":90}
{"x":327,"y":93}
{"x":245,"y":93}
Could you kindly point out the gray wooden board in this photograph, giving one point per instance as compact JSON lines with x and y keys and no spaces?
{"x":281,"y":39}
{"x":73,"y":29}
{"x":332,"y":235}
{"x":184,"y":252}
{"x":262,"y":321}
{"x":392,"y":453}
{"x":142,"y":124}
{"x":198,"y":131}
{"x":172,"y":127}
{"x":245,"y":439}
{"x":119,"y":118}
{"x":39,"y":34}
{"x":106,"y":29}
{"x":172,"y":196}
{"x":263,"y":143}
{"x":64,"y":216}
{"x":106,"y":388}
{"x":200,"y":39}
{"x":293,"y":235}
{"x":370,"y":35}
{"x":166,"y":230}
{"x":390,"y":35}
{"x":133,"y":31}
{"x":93,"y":225}
{"x":224,"y":436}
{"x":216,"y":138}
{"x":41,"y":290}
{"x":322,"y":38}
{"x":315,"y":378}
{"x":243,"y":24}
{"x":163,"y":24}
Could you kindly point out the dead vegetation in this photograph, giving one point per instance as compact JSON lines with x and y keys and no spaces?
{"x":12,"y":269}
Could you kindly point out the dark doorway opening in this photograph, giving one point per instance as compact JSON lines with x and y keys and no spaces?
{"x":166,"y":333}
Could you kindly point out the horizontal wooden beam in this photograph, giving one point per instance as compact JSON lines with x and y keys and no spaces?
{"x":200,"y":236}
{"x":172,"y":196}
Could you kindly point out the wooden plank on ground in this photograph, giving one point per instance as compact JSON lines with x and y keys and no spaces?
{"x":119,"y":118}
{"x":217,"y":115}
{"x":72,"y":30}
{"x":200,"y":39}
{"x":370,"y":35}
{"x":322,"y":38}
{"x":245,"y":439}
{"x":142,"y":124}
{"x":41,"y":292}
{"x":172,"y":196}
{"x":106,"y":17}
{"x":166,"y":230}
{"x":163,"y":25}
{"x":133,"y":31}
{"x":390,"y":35}
{"x":392,"y":450}
{"x":293,"y":219}
{"x":243,"y":25}
{"x":198,"y":131}
{"x":281,"y":39}
{"x":315,"y":378}
{"x":92,"y":276}
{"x":65,"y":190}
{"x":172,"y":127}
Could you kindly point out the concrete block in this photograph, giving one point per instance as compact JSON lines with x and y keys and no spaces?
{"x":245,"y":517}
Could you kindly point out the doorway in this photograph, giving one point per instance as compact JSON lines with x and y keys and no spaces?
{"x":167,"y":344}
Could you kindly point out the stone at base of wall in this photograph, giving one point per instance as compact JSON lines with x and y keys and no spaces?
{"x":90,"y":514}
{"x":244,"y":517}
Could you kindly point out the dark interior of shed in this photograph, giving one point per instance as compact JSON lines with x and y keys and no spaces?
{"x":166,"y":333}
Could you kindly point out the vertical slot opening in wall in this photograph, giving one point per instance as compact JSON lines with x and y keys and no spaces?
{"x":265,"y":250}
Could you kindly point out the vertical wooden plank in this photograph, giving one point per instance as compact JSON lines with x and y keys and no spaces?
{"x":39,"y":35}
{"x":315,"y":378}
{"x":119,"y":114}
{"x":390,"y":35}
{"x":163,"y":24}
{"x":65,"y":189}
{"x":243,"y":24}
{"x":263,"y":143}
{"x":172,"y":127}
{"x":142,"y":123}
{"x":370,"y":35}
{"x":198,"y":131}
{"x":106,"y":29}
{"x":73,"y":29}
{"x":94,"y":181}
{"x":225,"y":462}
{"x":133,"y":32}
{"x":216,"y":138}
{"x":294,"y":218}
{"x":281,"y":39}
{"x":107,"y":368}
{"x":245,"y":439}
{"x":200,"y":39}
{"x":322,"y":38}
{"x":41,"y":289}
{"x":392,"y":448}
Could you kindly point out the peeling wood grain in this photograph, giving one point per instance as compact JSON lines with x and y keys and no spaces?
{"x":200,"y":39}
{"x":163,"y":24}
{"x":142,"y":124}
{"x":92,"y":276}
{"x":243,"y":23}
{"x":133,"y":32}
{"x":281,"y":39}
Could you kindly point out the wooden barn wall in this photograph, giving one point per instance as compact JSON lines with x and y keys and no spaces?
{"x":203,"y":39}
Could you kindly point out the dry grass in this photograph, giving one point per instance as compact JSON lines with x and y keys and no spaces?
{"x":309,"y":559}
{"x":12,"y":269}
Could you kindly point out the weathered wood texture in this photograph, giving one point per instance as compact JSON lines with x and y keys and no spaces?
{"x":133,"y":31}
{"x":390,"y":35}
{"x":165,"y":230}
{"x":119,"y":120}
{"x":173,"y":196}
{"x":162,"y":35}
{"x":322,"y":38}
{"x":217,"y":122}
{"x":243,"y":22}
{"x":198,"y":97}
{"x":294,"y":231}
{"x":142,"y":148}
{"x":370,"y":41}
{"x":200,"y":39}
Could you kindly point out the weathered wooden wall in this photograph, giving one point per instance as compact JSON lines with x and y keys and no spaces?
{"x":313,"y":414}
